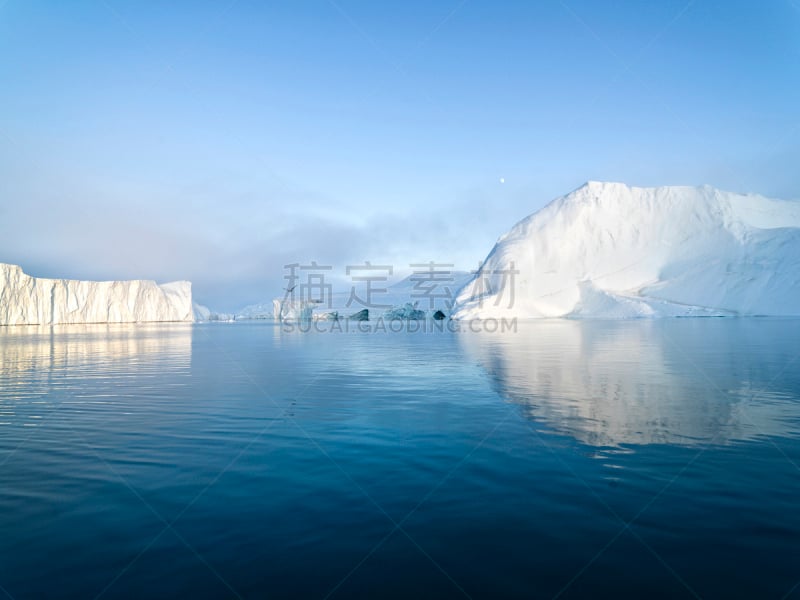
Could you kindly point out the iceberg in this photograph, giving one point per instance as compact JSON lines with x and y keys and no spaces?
{"x":292,"y":310}
{"x":256,"y":311}
{"x":200,"y":312}
{"x":26,"y":300}
{"x":325,"y":316}
{"x":204,"y":314}
{"x":407,"y":312}
{"x":608,"y":250}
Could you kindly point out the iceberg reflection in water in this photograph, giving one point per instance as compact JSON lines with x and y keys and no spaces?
{"x":40,"y":347}
{"x":683,"y":382}
{"x":42,"y":367}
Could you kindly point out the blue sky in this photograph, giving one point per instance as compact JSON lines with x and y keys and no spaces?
{"x":219,"y":141}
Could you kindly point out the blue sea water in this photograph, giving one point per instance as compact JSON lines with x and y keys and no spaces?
{"x":564,"y":459}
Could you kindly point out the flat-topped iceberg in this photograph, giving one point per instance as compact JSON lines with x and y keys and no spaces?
{"x":26,"y":300}
{"x":608,"y":250}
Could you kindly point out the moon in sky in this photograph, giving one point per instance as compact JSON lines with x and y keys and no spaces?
{"x":502,"y":180}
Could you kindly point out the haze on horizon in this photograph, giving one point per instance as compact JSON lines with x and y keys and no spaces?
{"x":218,"y":142}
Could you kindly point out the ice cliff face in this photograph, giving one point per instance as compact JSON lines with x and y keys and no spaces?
{"x":607,"y":250}
{"x":26,"y":300}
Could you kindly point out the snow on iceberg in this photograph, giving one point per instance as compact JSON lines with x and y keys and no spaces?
{"x":608,"y":250}
{"x":26,"y":300}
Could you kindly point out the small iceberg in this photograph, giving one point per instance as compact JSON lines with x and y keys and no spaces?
{"x":407,"y":312}
{"x":292,"y":310}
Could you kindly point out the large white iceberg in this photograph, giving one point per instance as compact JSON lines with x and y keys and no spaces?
{"x":608,"y":250}
{"x":26,"y":300}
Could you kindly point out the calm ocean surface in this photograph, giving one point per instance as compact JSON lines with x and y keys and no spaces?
{"x":567,"y":459}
